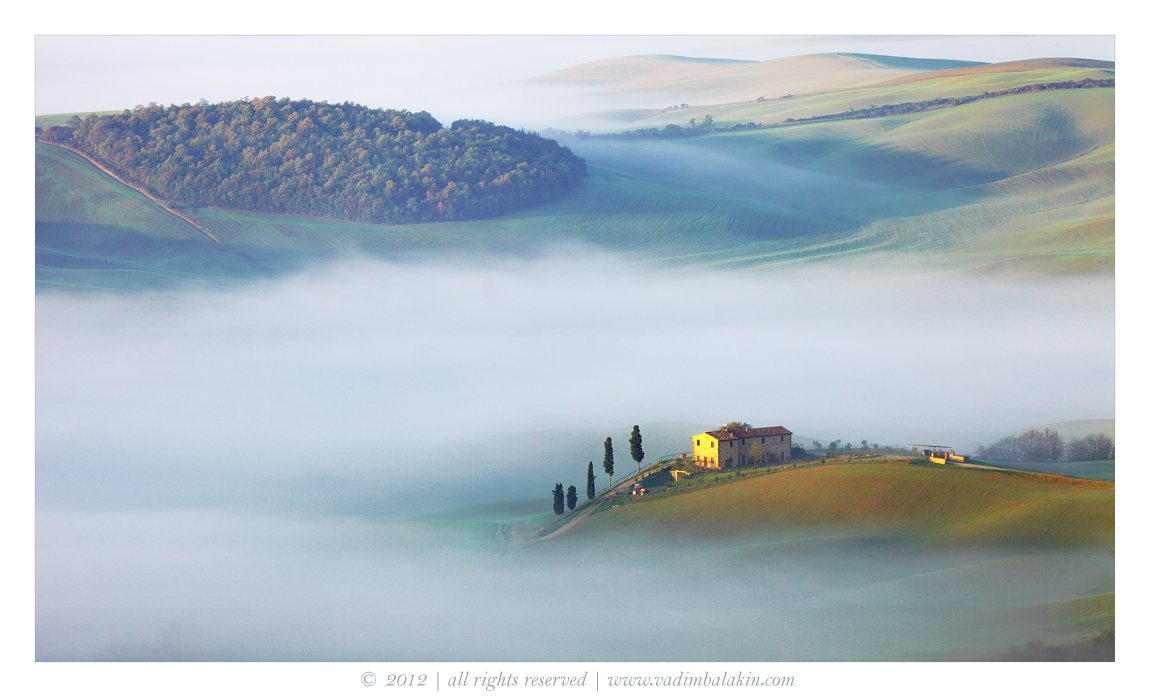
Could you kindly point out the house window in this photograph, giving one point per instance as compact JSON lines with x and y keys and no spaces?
{"x":763,"y":439}
{"x":697,"y":441}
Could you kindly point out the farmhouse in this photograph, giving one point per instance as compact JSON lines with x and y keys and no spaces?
{"x":752,"y":446}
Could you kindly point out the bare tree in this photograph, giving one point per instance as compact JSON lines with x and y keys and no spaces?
{"x":1096,"y":446}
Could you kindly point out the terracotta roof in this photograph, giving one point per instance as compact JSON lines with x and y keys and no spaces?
{"x":749,"y":433}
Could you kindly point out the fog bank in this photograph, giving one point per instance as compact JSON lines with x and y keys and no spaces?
{"x":396,"y":373}
{"x":194,"y":585}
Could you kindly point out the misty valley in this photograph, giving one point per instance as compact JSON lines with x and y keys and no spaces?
{"x":307,"y":374}
{"x":237,"y":475}
{"x":214,"y":585}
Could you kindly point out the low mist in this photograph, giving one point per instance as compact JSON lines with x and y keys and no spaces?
{"x":209,"y":586}
{"x":222,"y":474}
{"x":390,"y":377}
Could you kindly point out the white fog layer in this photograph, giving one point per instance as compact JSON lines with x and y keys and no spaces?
{"x":216,"y":469}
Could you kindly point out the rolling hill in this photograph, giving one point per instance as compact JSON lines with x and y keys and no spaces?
{"x":92,"y":230}
{"x":827,"y":96}
{"x":663,"y":80}
{"x":940,"y":505}
{"x":1016,"y":183}
{"x":969,"y":563}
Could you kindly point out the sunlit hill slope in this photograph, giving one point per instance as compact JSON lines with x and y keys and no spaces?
{"x":935,"y":504}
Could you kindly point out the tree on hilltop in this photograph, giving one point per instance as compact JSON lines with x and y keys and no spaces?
{"x":572,"y":497}
{"x":637,"y":448}
{"x":590,"y":480}
{"x":732,"y":426}
{"x":608,"y":460}
{"x":557,"y":493}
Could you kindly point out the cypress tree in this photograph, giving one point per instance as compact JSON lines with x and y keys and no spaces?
{"x":637,"y":447}
{"x":557,"y":493}
{"x":608,"y":460}
{"x":590,"y":481}
{"x":572,"y":497}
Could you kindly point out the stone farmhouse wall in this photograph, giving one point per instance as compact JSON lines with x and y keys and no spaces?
{"x":722,"y":450}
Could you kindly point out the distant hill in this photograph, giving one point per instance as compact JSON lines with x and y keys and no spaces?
{"x":1078,"y":429}
{"x":1009,"y":67}
{"x":693,"y":80}
{"x":636,"y":69}
{"x":914,"y":64}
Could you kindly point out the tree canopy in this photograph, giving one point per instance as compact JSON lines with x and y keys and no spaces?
{"x":557,"y":499}
{"x":341,"y":161}
{"x":733,"y":426}
{"x":637,"y":446}
{"x":608,"y":458}
{"x":1033,"y":445}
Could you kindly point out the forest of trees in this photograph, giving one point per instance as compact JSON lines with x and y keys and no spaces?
{"x":1048,"y":446}
{"x":341,"y":161}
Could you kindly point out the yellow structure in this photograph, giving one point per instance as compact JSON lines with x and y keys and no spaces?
{"x":726,"y":449}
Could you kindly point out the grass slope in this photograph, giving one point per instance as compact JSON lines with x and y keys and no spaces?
{"x":610,"y":209}
{"x":1019,"y":181}
{"x":939,"y":504}
{"x":93,"y":230}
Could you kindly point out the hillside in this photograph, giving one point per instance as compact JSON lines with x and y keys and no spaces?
{"x":650,"y":222}
{"x":1012,"y":67}
{"x":907,"y":86}
{"x":324,"y":160}
{"x":94,"y":231}
{"x":1022,"y":182}
{"x":943,"y":505}
{"x":1019,"y":183}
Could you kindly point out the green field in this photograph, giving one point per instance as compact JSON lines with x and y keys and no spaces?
{"x":945,"y":505}
{"x":91,"y":230}
{"x":1025,"y":181}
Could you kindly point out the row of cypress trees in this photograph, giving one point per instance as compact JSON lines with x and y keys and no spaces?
{"x":572,"y":495}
